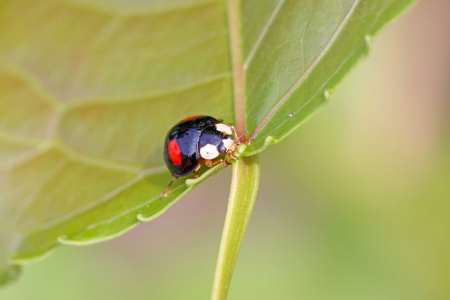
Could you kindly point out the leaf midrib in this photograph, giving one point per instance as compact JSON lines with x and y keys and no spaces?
{"x":237,"y":66}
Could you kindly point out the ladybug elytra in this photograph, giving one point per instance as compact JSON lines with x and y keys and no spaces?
{"x":197,"y":140}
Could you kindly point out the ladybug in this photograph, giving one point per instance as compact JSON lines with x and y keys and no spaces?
{"x":197,"y":140}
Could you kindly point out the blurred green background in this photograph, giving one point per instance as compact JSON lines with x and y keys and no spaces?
{"x":354,"y":205}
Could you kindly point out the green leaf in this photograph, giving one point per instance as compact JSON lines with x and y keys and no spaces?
{"x":299,"y":53}
{"x":88,"y":90}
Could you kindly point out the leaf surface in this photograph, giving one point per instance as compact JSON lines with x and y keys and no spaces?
{"x":88,"y":90}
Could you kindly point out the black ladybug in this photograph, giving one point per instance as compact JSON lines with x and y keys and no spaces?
{"x":195,"y":140}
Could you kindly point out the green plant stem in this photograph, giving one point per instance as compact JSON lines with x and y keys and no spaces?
{"x":244,"y":186}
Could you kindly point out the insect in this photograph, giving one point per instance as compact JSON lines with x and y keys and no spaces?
{"x":197,"y":140}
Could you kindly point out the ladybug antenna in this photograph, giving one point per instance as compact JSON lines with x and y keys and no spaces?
{"x":238,"y":138}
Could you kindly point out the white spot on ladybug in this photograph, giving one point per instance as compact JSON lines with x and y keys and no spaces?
{"x":229,"y":144}
{"x":209,"y":151}
{"x":224,"y":128}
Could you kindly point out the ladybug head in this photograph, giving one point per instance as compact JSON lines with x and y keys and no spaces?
{"x":228,"y":144}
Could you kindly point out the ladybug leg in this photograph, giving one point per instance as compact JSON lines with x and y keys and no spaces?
{"x":225,"y":161}
{"x":166,"y":191}
{"x":210,"y":163}
{"x":232,"y":156}
{"x":198,"y":168}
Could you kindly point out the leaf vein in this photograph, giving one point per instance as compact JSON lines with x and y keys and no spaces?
{"x":319,"y":90}
{"x":125,"y":11}
{"x":306,"y":74}
{"x":263,"y":34}
{"x":144,"y":96}
{"x":103,"y":199}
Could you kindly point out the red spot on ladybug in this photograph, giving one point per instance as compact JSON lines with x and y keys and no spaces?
{"x":193,"y":117}
{"x":174,"y":152}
